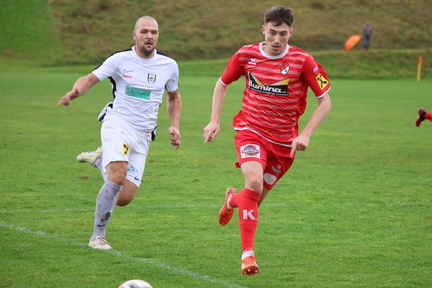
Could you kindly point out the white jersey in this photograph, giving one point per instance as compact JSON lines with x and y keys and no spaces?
{"x":138,"y":87}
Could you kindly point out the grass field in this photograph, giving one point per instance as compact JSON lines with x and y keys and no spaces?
{"x":354,"y":211}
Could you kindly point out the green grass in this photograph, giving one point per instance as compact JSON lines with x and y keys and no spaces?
{"x":28,"y":32}
{"x":354,"y":210}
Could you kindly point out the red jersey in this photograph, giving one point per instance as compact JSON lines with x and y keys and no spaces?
{"x":276,"y":90}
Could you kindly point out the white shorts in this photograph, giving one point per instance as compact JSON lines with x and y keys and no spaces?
{"x":121,"y":143}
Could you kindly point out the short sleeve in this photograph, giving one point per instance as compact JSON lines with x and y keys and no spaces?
{"x":106,"y":69}
{"x":173,"y":82}
{"x":316,"y":77}
{"x":233,"y":71}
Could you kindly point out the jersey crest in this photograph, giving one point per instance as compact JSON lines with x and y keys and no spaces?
{"x":284,"y":68}
{"x":151,"y":78}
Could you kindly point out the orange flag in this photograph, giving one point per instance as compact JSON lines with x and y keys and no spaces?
{"x":419,"y":65}
{"x":351,"y":42}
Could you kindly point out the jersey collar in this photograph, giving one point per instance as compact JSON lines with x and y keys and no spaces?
{"x":261,"y":44}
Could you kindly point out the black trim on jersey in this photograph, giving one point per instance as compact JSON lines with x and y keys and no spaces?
{"x":113,"y":83}
{"x":125,"y":50}
{"x":153,"y":134}
{"x":114,"y":86}
{"x":110,"y":105}
{"x":163,"y":54}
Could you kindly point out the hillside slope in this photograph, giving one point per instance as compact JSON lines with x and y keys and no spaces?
{"x":63,"y":32}
{"x":215,"y":29}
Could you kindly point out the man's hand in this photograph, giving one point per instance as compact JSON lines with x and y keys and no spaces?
{"x":300,"y":143}
{"x":68,"y":97}
{"x":175,"y":137}
{"x":211,"y":131}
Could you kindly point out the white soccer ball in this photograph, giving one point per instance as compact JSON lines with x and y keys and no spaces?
{"x":135,"y":284}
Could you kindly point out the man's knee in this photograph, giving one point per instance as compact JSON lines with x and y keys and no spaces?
{"x":117,"y":172}
{"x":255,"y":184}
{"x":127,"y":194}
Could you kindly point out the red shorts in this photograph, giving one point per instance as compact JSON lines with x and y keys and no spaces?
{"x":274,"y":158}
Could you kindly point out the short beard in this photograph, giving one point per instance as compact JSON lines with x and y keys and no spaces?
{"x":146,"y":52}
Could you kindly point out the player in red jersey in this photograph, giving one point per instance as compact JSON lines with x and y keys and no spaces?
{"x":277,"y":76}
{"x":422,"y":115}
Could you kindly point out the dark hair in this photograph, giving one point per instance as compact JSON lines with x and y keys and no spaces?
{"x":279,"y":14}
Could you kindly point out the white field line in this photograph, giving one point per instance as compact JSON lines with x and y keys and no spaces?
{"x":124,"y":255}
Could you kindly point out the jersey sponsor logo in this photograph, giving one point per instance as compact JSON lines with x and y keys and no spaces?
{"x":132,"y":168}
{"x":151,"y":78}
{"x":322,"y":81}
{"x":126,"y":73}
{"x":250,"y":150}
{"x":279,"y":88}
{"x":269,"y":178}
{"x":138,"y":93}
{"x":125,"y":149}
{"x":284,"y":68}
{"x":276,"y":169}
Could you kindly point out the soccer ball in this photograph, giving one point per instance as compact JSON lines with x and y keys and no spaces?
{"x":135,"y":284}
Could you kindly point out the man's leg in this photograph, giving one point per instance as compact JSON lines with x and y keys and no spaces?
{"x":248,"y":213}
{"x":94,"y":158}
{"x":127,"y":194}
{"x":264,"y":194}
{"x":105,"y":203}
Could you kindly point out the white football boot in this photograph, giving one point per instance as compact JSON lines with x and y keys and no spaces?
{"x":90,"y":156}
{"x":100,"y":243}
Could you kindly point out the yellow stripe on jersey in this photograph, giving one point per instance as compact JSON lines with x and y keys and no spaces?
{"x":283,"y":82}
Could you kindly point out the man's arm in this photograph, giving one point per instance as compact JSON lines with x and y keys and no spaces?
{"x":213,"y":128}
{"x":301,"y":142}
{"x":81,"y":86}
{"x":174,"y":112}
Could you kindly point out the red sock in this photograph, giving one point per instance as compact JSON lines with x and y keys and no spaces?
{"x":235,"y":199}
{"x":248,"y":217}
{"x":428,"y":115}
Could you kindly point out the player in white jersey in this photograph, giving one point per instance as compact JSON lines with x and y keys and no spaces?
{"x":139,"y":78}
